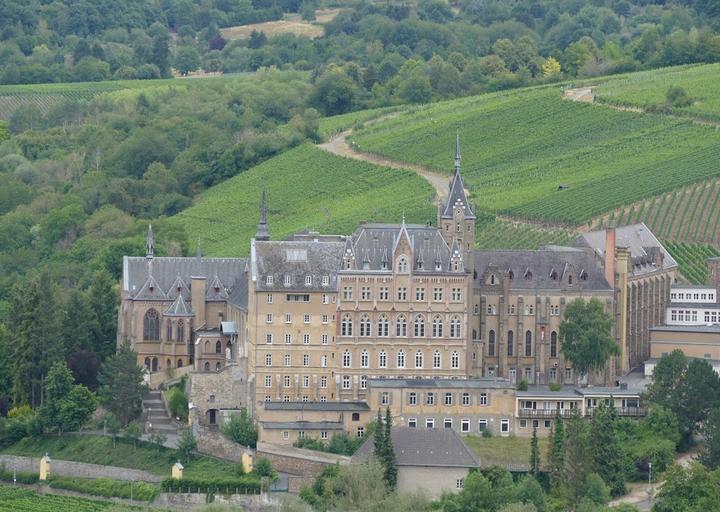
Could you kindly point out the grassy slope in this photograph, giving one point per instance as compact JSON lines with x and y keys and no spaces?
{"x":329,"y":126}
{"x":692,"y":259}
{"x":505,"y":450}
{"x":507,"y":235}
{"x":518,"y":146}
{"x":307,"y":188}
{"x":15,"y":499}
{"x":99,"y":450}
{"x":648,"y":88}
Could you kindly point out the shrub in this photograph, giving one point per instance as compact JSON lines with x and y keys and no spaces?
{"x":106,"y":487}
{"x":678,"y":97}
{"x":486,"y":434}
{"x":555,"y":386}
{"x":263,"y":467}
{"x":178,"y":403}
{"x":241,"y":429}
{"x":22,"y":478}
{"x":245,"y":485}
{"x":522,"y":385}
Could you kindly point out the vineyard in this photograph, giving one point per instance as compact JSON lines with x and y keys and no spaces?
{"x":22,"y":500}
{"x":307,"y":188}
{"x":692,"y":259}
{"x":647,"y":89}
{"x":532,"y":155}
{"x":500,"y":234}
{"x":690,"y":214}
{"x":333,"y":125}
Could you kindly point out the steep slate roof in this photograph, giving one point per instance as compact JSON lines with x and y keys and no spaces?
{"x":179,"y":308}
{"x":373,"y":244}
{"x":162,"y":274}
{"x":645,"y":249}
{"x":297,"y":259}
{"x":316,"y":406}
{"x":456,"y":193}
{"x":431,"y":447}
{"x":533,"y":270}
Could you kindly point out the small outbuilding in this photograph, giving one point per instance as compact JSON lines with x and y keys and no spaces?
{"x":428,"y":459}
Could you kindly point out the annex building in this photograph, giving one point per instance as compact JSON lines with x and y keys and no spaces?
{"x":313,"y":333}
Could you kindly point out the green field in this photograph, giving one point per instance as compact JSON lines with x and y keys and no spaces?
{"x":99,"y":450}
{"x":647,"y":89}
{"x":22,"y":500}
{"x":520,"y":146}
{"x":692,"y":259}
{"x":505,"y":451}
{"x":307,"y":188}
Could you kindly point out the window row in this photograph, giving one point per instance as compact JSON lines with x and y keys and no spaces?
{"x":304,"y":381}
{"x":400,"y":359}
{"x":174,"y":329}
{"x":288,"y":280}
{"x":528,"y":309}
{"x":464,"y":424}
{"x":420,"y":326}
{"x":401,"y":294}
{"x":448,"y":398}
{"x":288,"y":359}
{"x":269,"y":338}
{"x":527,"y":347}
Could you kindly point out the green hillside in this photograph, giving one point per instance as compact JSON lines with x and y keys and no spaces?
{"x":692,"y":259}
{"x":17,"y":499}
{"x":307,"y":188}
{"x":648,"y":88}
{"x":520,"y":146}
{"x":501,"y":234}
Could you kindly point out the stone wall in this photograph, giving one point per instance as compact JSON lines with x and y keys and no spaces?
{"x":298,"y":461}
{"x":247,"y":502}
{"x":215,"y":444}
{"x":76,"y":469}
{"x":226,"y":392}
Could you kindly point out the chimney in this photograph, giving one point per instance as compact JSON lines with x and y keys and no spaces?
{"x":197,"y":296}
{"x":610,"y":255}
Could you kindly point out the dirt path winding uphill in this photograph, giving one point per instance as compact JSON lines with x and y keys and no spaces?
{"x":340,"y":146}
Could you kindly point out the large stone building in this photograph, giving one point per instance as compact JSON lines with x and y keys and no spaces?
{"x":310,"y":326}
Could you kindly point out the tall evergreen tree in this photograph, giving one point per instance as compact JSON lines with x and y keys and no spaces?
{"x":104,"y":300}
{"x":36,"y":309}
{"x":390,"y":462}
{"x":379,"y":438}
{"x":121,"y":384}
{"x":534,"y":454}
{"x":556,"y":453}
{"x":605,"y":449}
{"x":577,"y":457}
{"x":78,"y":323}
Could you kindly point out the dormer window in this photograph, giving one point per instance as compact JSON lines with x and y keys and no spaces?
{"x":511,"y":275}
{"x":570,"y":279}
{"x":528,"y":275}
{"x":402,"y":265}
{"x":420,"y":265}
{"x":553,"y":275}
{"x":217,"y":289}
{"x":583,"y":275}
{"x":308,"y":280}
{"x":325,"y":280}
{"x":269,"y":280}
{"x":287,"y":280}
{"x":492,"y":278}
{"x":438,"y":265}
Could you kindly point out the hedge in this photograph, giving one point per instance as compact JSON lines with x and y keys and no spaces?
{"x":107,"y":488}
{"x":231,"y":485}
{"x":22,"y":478}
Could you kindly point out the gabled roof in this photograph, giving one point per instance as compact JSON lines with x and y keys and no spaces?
{"x":216,"y":290}
{"x":151,"y":290}
{"x":428,"y":447}
{"x":179,"y":308}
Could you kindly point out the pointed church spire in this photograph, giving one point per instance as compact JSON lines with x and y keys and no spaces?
{"x":457,"y":151}
{"x":262,"y":230}
{"x":149,"y":243}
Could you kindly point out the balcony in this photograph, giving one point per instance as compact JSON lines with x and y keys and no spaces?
{"x":627,"y":412}
{"x":544,"y":414}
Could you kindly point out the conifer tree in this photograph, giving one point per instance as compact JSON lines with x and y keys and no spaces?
{"x":606,"y":451}
{"x":104,"y":300}
{"x":534,"y":454}
{"x":577,"y":460}
{"x":121,"y":384}
{"x":379,"y":438}
{"x":390,"y":462}
{"x":556,"y":453}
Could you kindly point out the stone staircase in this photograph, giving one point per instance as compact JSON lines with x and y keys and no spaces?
{"x":156,"y":418}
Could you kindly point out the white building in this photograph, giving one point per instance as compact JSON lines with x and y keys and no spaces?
{"x":692,"y":305}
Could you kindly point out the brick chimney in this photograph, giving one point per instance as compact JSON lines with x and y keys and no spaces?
{"x":610,"y":255}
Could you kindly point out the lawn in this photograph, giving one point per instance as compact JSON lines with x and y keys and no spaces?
{"x":99,"y":450}
{"x":505,"y":451}
{"x":307,"y":188}
{"x":531,"y":154}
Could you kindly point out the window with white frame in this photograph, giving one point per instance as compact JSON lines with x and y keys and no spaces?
{"x":363,"y":382}
{"x":268,"y":359}
{"x":456,"y":295}
{"x":420,"y":294}
{"x":365,"y":325}
{"x":402,"y":265}
{"x":346,"y":381}
{"x":437,"y":359}
{"x":288,"y":318}
{"x":306,"y":339}
{"x":269,"y":298}
{"x":384,"y":398}
{"x":491,"y":309}
{"x":288,"y":280}
{"x":464,"y":425}
{"x":285,"y":434}
{"x":269,"y":339}
{"x":437,"y":326}
{"x":306,"y":381}
{"x":402,"y":293}
{"x":504,"y":426}
{"x":325,"y":298}
{"x":437,"y":294}
{"x":430,"y":398}
{"x":323,"y":434}
{"x":448,"y":398}
{"x":287,"y":359}
{"x":269,"y":280}
{"x":346,"y":325}
{"x":306,"y":319}
{"x":323,"y":381}
{"x":324,"y":339}
{"x":306,"y":359}
{"x":418,"y":359}
{"x":269,"y":318}
{"x":286,"y":381}
{"x":455,"y":327}
{"x":347,"y":292}
{"x":412,"y":398}
{"x":383,"y":329}
{"x":346,"y":359}
{"x":448,"y":423}
{"x":412,"y":422}
{"x":382,"y":359}
{"x":365,"y":293}
{"x":288,"y":339}
{"x":529,"y":309}
{"x":483,"y":399}
{"x":401,"y":326}
{"x":383,"y":294}
{"x":482,"y":425}
{"x":364,"y":359}
{"x":268,"y":381}
{"x":361,"y":432}
{"x":466,"y":398}
{"x":455,"y":360}
{"x":325,"y":280}
{"x":429,"y":422}
{"x":419,"y":326}
{"x":308,"y":280}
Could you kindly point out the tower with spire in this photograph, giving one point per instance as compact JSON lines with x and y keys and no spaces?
{"x":149,"y":243}
{"x":456,"y":217}
{"x":262,"y":229}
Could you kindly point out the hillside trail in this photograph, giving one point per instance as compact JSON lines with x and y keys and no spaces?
{"x":339,"y":145}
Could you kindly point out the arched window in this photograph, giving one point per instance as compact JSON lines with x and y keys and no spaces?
{"x":346,"y":359}
{"x":155,"y":364}
{"x":528,"y":344}
{"x":207,"y":366}
{"x":168,"y":330}
{"x":455,"y":327}
{"x":402,"y":265}
{"x":151,"y":325}
{"x":364,"y":359}
{"x":401,"y":326}
{"x":419,"y":326}
{"x":437,"y":327}
{"x":147,"y":363}
{"x":218,"y":347}
{"x":553,"y":344}
{"x":492,"y":278}
{"x":436,"y":359}
{"x":365,"y":325}
{"x":510,"y":343}
{"x":401,"y":359}
{"x":383,"y":325}
{"x":180,"y":334}
{"x":455,"y":360}
{"x":382,"y":359}
{"x":179,"y":363}
{"x":418,"y":359}
{"x":207,"y":346}
{"x":491,"y":343}
{"x":346,"y":327}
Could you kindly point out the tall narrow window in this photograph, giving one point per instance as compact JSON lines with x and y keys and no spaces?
{"x":402,"y":265}
{"x":346,"y":359}
{"x":419,"y":326}
{"x":218,"y":347}
{"x":383,"y":325}
{"x":364,"y":359}
{"x":455,"y":360}
{"x":365,"y":325}
{"x":382,"y":359}
{"x":510,"y":343}
{"x":168,"y":332}
{"x":180,"y":334}
{"x":418,"y":359}
{"x":553,"y":344}
{"x":528,"y":344}
{"x":437,"y":327}
{"x":151,"y":325}
{"x":455,"y":327}
{"x":491,"y":343}
{"x":401,"y":326}
{"x":346,"y":326}
{"x":401,"y":359}
{"x":436,"y":359}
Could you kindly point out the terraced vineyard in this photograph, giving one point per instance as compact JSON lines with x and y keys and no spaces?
{"x":690,"y":214}
{"x":509,"y":235}
{"x":21,"y":500}
{"x":692,"y":259}
{"x":307,"y":188}
{"x":530,"y":154}
{"x":647,"y":89}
